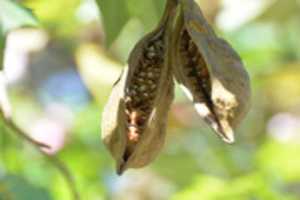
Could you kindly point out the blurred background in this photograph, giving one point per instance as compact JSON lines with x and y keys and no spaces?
{"x":59,"y":75}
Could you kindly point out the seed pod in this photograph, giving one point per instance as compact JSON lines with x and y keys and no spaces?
{"x":134,"y":120}
{"x":210,"y":72}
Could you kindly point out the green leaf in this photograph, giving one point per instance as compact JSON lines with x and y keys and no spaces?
{"x":160,"y":5}
{"x":114,"y":16}
{"x":145,"y":11}
{"x":14,"y":15}
{"x":2,"y":45}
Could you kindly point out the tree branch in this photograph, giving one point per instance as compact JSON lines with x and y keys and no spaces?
{"x":58,"y":164}
{"x":5,"y":115}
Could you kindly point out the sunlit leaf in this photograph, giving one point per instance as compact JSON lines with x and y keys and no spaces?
{"x":14,"y":15}
{"x":137,"y":9}
{"x":61,"y":17}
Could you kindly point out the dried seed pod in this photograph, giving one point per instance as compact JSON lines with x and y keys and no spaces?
{"x":134,"y":120}
{"x":210,"y":72}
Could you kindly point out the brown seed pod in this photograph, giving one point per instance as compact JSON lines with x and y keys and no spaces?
{"x":210,"y":71}
{"x":134,"y":120}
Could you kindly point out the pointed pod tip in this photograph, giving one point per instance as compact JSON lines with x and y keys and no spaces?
{"x":121,"y":168}
{"x":226,"y":132}
{"x":228,"y":136}
{"x":223,"y":129}
{"x":119,"y":172}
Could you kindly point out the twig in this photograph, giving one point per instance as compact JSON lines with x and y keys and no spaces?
{"x":52,"y":159}
{"x":5,"y":114}
{"x":66,"y":174}
{"x":23,"y":135}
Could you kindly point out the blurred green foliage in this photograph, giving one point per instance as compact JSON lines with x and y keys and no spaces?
{"x":262,"y":165}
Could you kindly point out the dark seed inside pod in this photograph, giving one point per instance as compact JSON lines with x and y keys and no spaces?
{"x":141,"y":92}
{"x":195,"y":67}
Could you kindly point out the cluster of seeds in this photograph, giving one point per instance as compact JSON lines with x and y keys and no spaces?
{"x":142,"y":89}
{"x":194,"y":66}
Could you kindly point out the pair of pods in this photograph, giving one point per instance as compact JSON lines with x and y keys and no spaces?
{"x":185,"y":47}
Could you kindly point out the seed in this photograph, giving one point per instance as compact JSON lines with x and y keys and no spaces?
{"x":146,"y":95}
{"x":132,"y":92}
{"x":195,"y":58}
{"x":155,"y":66}
{"x":150,"y":75}
{"x":133,"y":134}
{"x":140,"y":80}
{"x":142,"y":74}
{"x":159,"y":46}
{"x":128,"y":99}
{"x":156,"y":70}
{"x":153,"y":87}
{"x":137,"y":99}
{"x":143,"y":88}
{"x":144,"y":65}
{"x":150,"y":82}
{"x":150,"y":54}
{"x":151,"y":48}
{"x":127,"y":112}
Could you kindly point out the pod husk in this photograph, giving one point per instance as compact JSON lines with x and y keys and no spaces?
{"x":227,"y":100}
{"x":114,"y":122}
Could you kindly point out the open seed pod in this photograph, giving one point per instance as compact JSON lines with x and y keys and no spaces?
{"x":134,"y":120}
{"x":210,"y":72}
